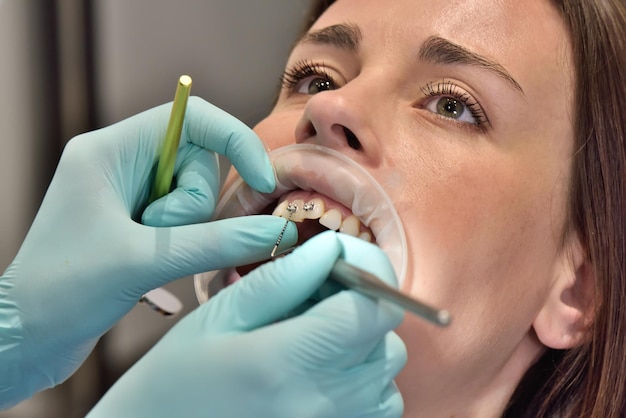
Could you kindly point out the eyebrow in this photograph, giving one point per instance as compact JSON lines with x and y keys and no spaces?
{"x":438,"y":50}
{"x":345,"y":36}
{"x":435,"y":49}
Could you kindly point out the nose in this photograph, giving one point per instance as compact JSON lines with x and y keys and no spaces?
{"x":340,"y":120}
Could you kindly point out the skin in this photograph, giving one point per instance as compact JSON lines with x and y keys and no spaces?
{"x":484,"y":207}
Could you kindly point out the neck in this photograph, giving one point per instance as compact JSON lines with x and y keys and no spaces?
{"x":465,"y":392}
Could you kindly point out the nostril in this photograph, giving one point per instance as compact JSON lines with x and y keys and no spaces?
{"x":310,"y":130}
{"x":353,"y":141}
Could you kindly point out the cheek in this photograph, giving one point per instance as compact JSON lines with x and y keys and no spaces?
{"x":483,"y":247}
{"x":278,"y":128}
{"x":482,"y":242}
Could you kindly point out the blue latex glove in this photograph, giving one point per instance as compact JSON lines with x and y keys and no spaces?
{"x":85,"y":262}
{"x":230,"y":358}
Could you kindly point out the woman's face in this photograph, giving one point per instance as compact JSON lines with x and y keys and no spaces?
{"x":466,"y":105}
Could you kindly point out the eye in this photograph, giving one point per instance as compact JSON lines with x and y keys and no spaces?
{"x":450,"y":107}
{"x":314,"y":85}
{"x":450,"y":101}
{"x":306,"y":77}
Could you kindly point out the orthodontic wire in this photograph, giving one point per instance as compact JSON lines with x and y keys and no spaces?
{"x":291,"y":208}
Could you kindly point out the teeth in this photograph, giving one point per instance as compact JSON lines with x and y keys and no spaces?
{"x":298,"y":211}
{"x":351,"y":226}
{"x":366,"y":236}
{"x":331,"y":219}
{"x":281,"y":210}
{"x":314,"y":209}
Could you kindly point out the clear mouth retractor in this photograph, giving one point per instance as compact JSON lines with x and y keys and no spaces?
{"x":333,"y":174}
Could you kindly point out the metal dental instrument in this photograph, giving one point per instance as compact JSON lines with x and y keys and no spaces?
{"x":366,"y":283}
{"x":291,"y":208}
{"x":280,"y":238}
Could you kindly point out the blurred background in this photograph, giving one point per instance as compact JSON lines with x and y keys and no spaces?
{"x":70,"y":66}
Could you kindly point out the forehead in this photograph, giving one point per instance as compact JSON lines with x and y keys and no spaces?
{"x":528,"y":38}
{"x":475,"y":21}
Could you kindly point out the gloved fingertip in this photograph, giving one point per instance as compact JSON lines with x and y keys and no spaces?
{"x":274,"y":289}
{"x":355,"y":250}
{"x":177,"y":208}
{"x":395,"y":353}
{"x":263,"y":179}
{"x":153,"y":214}
{"x":391,"y":402}
{"x":268,"y":180}
{"x":396,"y":313}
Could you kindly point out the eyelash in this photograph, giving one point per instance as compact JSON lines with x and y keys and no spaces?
{"x":304,"y":69}
{"x":448,"y":88}
{"x":307,"y":68}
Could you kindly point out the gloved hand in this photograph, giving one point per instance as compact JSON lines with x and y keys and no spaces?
{"x":230,"y":358}
{"x":85,"y":262}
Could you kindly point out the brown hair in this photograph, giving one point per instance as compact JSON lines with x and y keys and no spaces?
{"x":590,"y":380}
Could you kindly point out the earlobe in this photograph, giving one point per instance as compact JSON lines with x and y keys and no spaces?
{"x":565,"y":318}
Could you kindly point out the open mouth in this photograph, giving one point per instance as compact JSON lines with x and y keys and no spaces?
{"x":314,"y":213}
{"x":319,"y":189}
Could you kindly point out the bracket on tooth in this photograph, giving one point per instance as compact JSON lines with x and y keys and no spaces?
{"x":292,"y":207}
{"x":308,"y":206}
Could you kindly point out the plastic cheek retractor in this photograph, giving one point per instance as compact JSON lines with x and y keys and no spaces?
{"x":327,"y":172}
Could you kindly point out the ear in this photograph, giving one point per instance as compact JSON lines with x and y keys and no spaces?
{"x":567,"y":314}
